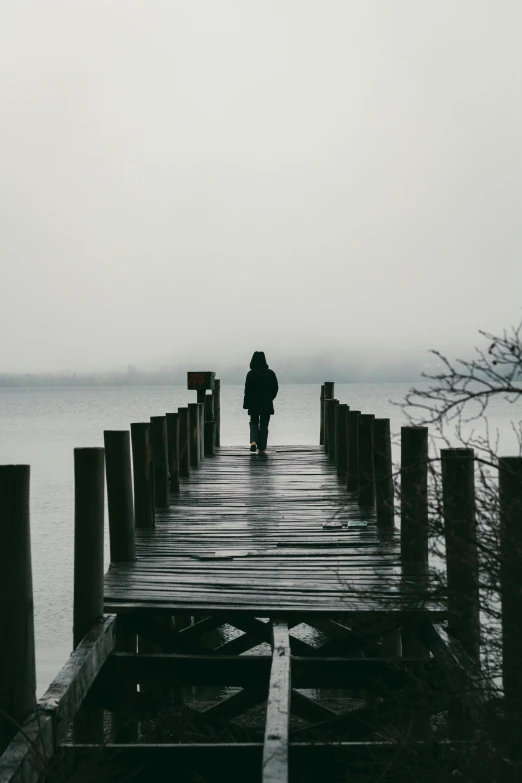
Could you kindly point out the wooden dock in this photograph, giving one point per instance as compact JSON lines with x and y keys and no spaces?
{"x":268,"y":534}
{"x":206,"y":537}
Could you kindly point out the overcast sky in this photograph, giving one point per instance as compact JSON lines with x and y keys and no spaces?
{"x":184,"y":179}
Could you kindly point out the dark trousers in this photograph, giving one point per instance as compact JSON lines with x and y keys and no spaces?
{"x":259,"y":429}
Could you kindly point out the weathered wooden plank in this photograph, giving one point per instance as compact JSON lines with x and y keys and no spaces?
{"x":275,"y":750}
{"x":33,"y":746}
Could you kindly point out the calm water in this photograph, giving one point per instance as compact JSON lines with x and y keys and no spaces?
{"x":41,"y":427}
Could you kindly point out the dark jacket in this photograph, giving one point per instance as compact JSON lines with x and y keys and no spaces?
{"x":261,"y":387}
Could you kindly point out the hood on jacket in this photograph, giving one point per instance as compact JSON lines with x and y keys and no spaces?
{"x":258,"y":361}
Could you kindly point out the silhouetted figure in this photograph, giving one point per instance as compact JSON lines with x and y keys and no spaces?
{"x":261,"y":389}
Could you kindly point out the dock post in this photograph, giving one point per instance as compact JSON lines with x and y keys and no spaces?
{"x":17,"y":655}
{"x":143,"y":479}
{"x":88,"y":568}
{"x":173,"y":450}
{"x":382,"y":458}
{"x":210,"y":426}
{"x":340,"y":440}
{"x":510,"y":498}
{"x":160,"y":461}
{"x":414,"y":495}
{"x":460,"y":533}
{"x":201,"y":430}
{"x":366,"y":467}
{"x":217,"y":410}
{"x":193,"y":415}
{"x":352,"y":438}
{"x":119,"y":495}
{"x":321,"y":417}
{"x":330,"y":426}
{"x":184,"y":443}
{"x":122,"y":537}
{"x":414,"y":544}
{"x":329,"y":387}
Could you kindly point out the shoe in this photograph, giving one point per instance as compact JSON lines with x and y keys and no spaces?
{"x":262,"y":452}
{"x":253,"y":446}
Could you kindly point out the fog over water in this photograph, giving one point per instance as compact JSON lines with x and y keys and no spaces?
{"x":185,"y":181}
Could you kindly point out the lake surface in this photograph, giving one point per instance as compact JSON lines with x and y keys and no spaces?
{"x":41,"y":427}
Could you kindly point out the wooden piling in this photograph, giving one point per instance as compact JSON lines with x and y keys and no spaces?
{"x":340,"y":439}
{"x":160,"y":461}
{"x":217,"y":410}
{"x":510,"y":498}
{"x":88,"y":568}
{"x":210,"y":426}
{"x":123,"y":549}
{"x":414,"y":545}
{"x":173,"y":450}
{"x":329,"y":387}
{"x":17,"y":655}
{"x":193,"y":414}
{"x":383,"y":466}
{"x":119,"y":495}
{"x":460,"y":533}
{"x":330,"y":425}
{"x":143,"y":478}
{"x":352,"y":439}
{"x":321,"y":417}
{"x":184,"y":442}
{"x":366,"y":466}
{"x":201,"y":430}
{"x":414,"y":495}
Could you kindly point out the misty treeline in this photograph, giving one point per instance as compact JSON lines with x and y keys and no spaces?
{"x":347,"y":369}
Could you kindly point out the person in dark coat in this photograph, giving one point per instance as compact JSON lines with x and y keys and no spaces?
{"x":261,"y":389}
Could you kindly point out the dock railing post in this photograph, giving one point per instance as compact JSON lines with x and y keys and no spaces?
{"x":210,"y":426}
{"x":352,"y":438}
{"x":366,"y":466}
{"x":329,"y":387}
{"x":217,"y":410}
{"x":89,"y":493}
{"x":184,"y":443}
{"x":119,"y":495}
{"x":460,"y":533}
{"x":414,"y":495}
{"x":173,"y":450}
{"x":382,"y":457}
{"x":17,"y":653}
{"x":340,"y":439}
{"x":510,"y":500}
{"x":193,"y":415}
{"x":123,"y":550}
{"x":330,"y":406}
{"x":414,"y":545}
{"x":201,"y":430}
{"x":160,"y":461}
{"x":321,"y":415}
{"x":143,"y":478}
